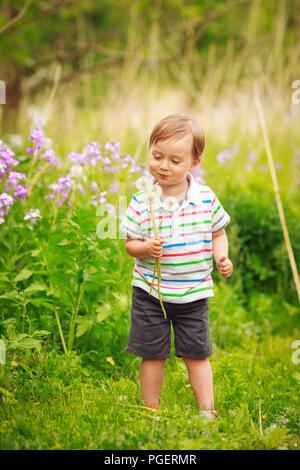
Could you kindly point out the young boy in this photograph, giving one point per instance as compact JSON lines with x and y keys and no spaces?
{"x":189,"y":239}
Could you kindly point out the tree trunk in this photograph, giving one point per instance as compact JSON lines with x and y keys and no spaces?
{"x":12,"y":74}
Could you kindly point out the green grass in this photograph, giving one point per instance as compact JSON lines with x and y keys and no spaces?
{"x":50,"y":401}
{"x":63,"y":405}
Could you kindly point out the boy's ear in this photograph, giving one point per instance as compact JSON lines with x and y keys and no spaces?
{"x":196,"y":163}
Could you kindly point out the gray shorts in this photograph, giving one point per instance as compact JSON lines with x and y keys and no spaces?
{"x":150,"y":331}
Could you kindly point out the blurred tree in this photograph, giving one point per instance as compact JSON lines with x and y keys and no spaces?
{"x":167,"y":36}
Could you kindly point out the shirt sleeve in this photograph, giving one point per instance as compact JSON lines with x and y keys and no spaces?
{"x":220,"y":218}
{"x":131,"y":223}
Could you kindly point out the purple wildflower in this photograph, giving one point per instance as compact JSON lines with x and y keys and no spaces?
{"x":113,"y":147}
{"x":37,"y":136}
{"x":5,"y":201}
{"x":101,"y":199}
{"x":32,"y":215}
{"x":20,"y":190}
{"x":61,"y":188}
{"x":6,"y":157}
{"x":110,"y":208}
{"x":49,"y":155}
{"x":92,"y":153}
{"x":114,"y":187}
{"x":94,"y":186}
{"x":223,"y":156}
{"x":128,"y":158}
{"x":13,"y":178}
{"x":106,"y":160}
{"x":75,"y":157}
{"x":2,"y":169}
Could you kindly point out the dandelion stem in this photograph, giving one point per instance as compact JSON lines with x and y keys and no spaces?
{"x":154,"y":272}
{"x":157,"y":262}
{"x":161,"y":221}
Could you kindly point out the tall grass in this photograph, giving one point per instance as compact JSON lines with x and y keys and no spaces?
{"x":253,"y":314}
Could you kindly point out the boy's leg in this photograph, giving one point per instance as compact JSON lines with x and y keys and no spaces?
{"x":201,"y":380}
{"x":151,"y":378}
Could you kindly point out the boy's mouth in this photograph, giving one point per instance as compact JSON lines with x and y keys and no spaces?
{"x":162,"y":176}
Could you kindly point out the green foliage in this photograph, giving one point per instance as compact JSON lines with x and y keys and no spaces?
{"x":261,"y":257}
{"x":101,"y":412}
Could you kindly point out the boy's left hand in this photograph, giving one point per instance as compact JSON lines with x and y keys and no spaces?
{"x":224,"y":266}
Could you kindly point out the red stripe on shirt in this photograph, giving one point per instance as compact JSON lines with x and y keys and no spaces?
{"x":137,"y":212}
{"x":189,"y":253}
{"x":167,"y":287}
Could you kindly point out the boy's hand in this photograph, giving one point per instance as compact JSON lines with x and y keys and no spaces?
{"x":224,"y":266}
{"x":154,"y":248}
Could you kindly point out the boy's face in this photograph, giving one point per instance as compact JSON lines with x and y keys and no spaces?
{"x":169,"y":161}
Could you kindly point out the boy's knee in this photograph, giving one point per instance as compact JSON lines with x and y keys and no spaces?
{"x":154,"y":362}
{"x":191,"y":360}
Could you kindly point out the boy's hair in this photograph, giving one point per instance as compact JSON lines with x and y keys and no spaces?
{"x":177,"y":126}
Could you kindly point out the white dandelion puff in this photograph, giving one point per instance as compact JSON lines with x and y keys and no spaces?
{"x":142,"y":183}
{"x":170,"y":204}
{"x":156,"y":189}
{"x":150,"y":198}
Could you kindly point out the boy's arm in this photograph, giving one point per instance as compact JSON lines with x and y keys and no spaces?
{"x":136,"y":248}
{"x":141,"y":249}
{"x":219,"y":244}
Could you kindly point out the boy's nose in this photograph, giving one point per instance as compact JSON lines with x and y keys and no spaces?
{"x":164,"y":166}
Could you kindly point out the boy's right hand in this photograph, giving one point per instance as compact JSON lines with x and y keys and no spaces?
{"x":154,"y":248}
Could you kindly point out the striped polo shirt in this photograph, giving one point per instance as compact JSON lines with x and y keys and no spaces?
{"x":187,"y":255}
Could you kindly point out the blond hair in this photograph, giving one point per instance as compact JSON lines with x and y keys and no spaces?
{"x":176,"y":126}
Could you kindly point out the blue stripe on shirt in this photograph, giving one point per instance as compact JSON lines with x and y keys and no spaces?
{"x":187,"y":243}
{"x":177,"y":280}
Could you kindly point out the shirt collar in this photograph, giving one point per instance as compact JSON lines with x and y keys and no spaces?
{"x":192,"y":195}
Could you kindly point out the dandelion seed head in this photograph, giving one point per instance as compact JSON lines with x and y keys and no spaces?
{"x":150,"y":198}
{"x":170,"y":204}
{"x":156,"y":189}
{"x":142,"y":183}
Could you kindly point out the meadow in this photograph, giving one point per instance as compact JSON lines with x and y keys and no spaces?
{"x":66,"y":381}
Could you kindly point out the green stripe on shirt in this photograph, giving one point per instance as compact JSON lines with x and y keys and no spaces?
{"x":180,"y":225}
{"x":219,"y":207}
{"x":180,"y":264}
{"x":176,"y":295}
{"x":132,"y":220}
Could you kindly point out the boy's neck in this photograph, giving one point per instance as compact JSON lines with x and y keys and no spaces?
{"x":179,"y":190}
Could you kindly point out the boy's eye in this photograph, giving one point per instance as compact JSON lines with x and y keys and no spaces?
{"x":175,"y":161}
